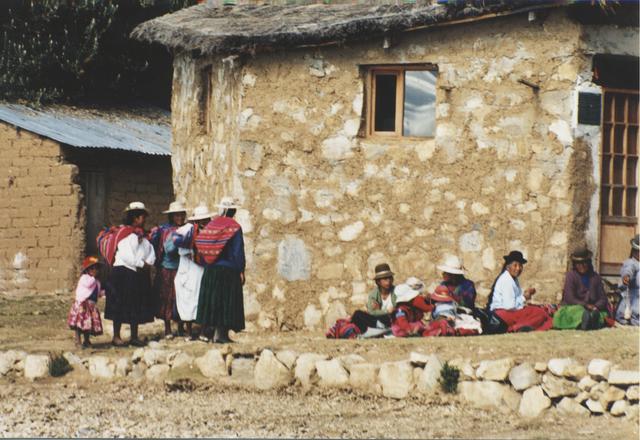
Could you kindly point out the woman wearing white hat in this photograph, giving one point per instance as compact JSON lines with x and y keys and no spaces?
{"x":130,"y":300}
{"x":628,"y":308}
{"x":167,"y":260}
{"x":220,"y":248}
{"x":410,"y":309}
{"x":460,"y":288}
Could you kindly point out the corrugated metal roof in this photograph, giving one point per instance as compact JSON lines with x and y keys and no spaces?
{"x":146,"y":131}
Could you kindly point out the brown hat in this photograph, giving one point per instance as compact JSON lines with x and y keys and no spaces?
{"x":382,"y":271}
{"x":581,"y":255}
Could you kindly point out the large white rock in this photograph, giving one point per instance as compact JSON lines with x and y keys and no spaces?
{"x":337,"y":148}
{"x":611,"y":395}
{"x":157,"y":373}
{"x":364,"y":376}
{"x":558,"y":387}
{"x":212,"y":364}
{"x":595,"y":406}
{"x":332,"y":374}
{"x":99,"y":366}
{"x":305,"y":371}
{"x":287,"y":357}
{"x":624,"y":377}
{"x":181,"y":360}
{"x":36,"y":366}
{"x":599,"y":368}
{"x":523,"y":376}
{"x":533,"y":402}
{"x":428,"y":380}
{"x":561,"y":367}
{"x":137,"y":355}
{"x":495,"y":370}
{"x":569,"y":406}
{"x":294,"y":260}
{"x":269,"y":372}
{"x":123,"y":366}
{"x":10,"y":359}
{"x":153,"y":356}
{"x":489,"y":394}
{"x":74,"y":360}
{"x":619,"y":408}
{"x":396,"y":379}
{"x":5,"y":365}
{"x":586,"y":383}
{"x":351,"y":232}
{"x":632,"y":392}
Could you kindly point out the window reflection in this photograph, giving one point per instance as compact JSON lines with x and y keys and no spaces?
{"x":419,"y":103}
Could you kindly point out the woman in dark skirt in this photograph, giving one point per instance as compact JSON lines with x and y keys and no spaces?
{"x":220,"y":247}
{"x":130,"y":300}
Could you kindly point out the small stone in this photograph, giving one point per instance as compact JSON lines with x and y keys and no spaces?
{"x":155,"y":356}
{"x":487,"y":394}
{"x":495,"y":370}
{"x":419,"y":359}
{"x":396,"y":379}
{"x":348,"y":360}
{"x":73,"y":359}
{"x":523,"y":376}
{"x":287,"y":357}
{"x":36,"y":366}
{"x":154,"y":345}
{"x":558,"y":387}
{"x":619,"y":408}
{"x":575,"y":372}
{"x":624,"y":377}
{"x":100,"y":367}
{"x":569,"y":406}
{"x":181,"y":360}
{"x":305,"y":371}
{"x":332,"y":374}
{"x":137,"y":355}
{"x":632,"y":392}
{"x":123,"y":366}
{"x":9,"y":360}
{"x":586,"y":383}
{"x":560,"y":367}
{"x":428,"y":380}
{"x":364,"y":376}
{"x":599,"y":368}
{"x":533,"y":402}
{"x":611,"y":395}
{"x":212,"y":364}
{"x":157,"y":373}
{"x":595,"y":406}
{"x":137,"y":371}
{"x":351,"y":232}
{"x":466,"y":368}
{"x":270,"y":373}
{"x":581,"y":397}
{"x":598,"y":389}
{"x":540,"y":367}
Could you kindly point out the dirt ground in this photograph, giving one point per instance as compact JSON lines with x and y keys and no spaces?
{"x":78,"y":405}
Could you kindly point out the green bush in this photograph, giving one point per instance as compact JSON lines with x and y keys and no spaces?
{"x":59,"y":365}
{"x":449,"y":377}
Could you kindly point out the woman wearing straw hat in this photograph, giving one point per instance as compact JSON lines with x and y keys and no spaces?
{"x":584,"y":302}
{"x":167,"y":260}
{"x":461,"y":289}
{"x":220,"y":248}
{"x":130,"y":300}
{"x":509,"y":302}
{"x":410,"y":309}
{"x":627,"y":312}
{"x":189,"y":276}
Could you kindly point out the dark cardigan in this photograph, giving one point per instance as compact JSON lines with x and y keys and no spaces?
{"x":575,"y":293}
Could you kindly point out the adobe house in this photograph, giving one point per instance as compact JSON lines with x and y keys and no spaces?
{"x":67,"y":172}
{"x":355,"y":134}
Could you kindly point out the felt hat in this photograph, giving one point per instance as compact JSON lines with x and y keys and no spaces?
{"x":441,"y":294}
{"x":200,"y":213}
{"x":581,"y":255}
{"x":228,"y":203}
{"x":514,"y":256}
{"x":136,"y":206}
{"x":452,"y":265}
{"x":405,"y":293}
{"x":175,"y":207}
{"x":382,"y":271}
{"x":635,"y":242}
{"x":89,"y":261}
{"x":415,"y":284}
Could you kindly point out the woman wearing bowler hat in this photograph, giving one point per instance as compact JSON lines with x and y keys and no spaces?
{"x":508,"y":301}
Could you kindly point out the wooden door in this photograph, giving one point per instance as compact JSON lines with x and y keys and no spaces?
{"x":619,"y":190}
{"x":94,"y":188}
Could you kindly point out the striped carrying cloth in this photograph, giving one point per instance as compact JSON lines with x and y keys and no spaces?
{"x":109,"y":238}
{"x":211,"y":240}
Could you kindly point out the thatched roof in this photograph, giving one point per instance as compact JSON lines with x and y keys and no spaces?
{"x":250,"y":28}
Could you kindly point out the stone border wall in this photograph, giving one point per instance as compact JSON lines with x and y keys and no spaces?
{"x":502,"y":385}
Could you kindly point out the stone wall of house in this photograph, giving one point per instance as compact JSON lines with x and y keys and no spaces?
{"x":323,"y":205}
{"x":41,"y":237}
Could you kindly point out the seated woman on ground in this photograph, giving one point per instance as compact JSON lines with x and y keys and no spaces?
{"x":380,"y":303}
{"x":461,"y":289}
{"x":411,"y":306}
{"x":508,"y":301}
{"x":628,"y":308}
{"x":584,"y":302}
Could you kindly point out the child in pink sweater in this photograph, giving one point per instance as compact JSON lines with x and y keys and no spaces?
{"x":84,"y":316}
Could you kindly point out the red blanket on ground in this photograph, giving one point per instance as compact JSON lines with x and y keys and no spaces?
{"x":109,"y":238}
{"x":211,"y":240}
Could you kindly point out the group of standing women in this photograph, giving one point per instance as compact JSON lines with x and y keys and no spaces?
{"x":199,"y":272}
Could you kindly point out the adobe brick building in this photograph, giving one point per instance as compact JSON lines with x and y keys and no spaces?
{"x":66,"y":173}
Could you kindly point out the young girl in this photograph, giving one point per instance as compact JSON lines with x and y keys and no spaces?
{"x":84,"y":316}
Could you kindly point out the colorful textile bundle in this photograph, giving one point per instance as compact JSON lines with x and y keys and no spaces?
{"x":343,"y":329}
{"x":211,"y":240}
{"x":109,"y":238}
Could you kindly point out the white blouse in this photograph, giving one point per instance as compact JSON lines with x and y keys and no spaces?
{"x":133,"y":253}
{"x":507,"y":293}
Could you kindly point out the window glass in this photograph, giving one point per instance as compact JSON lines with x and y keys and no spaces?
{"x":419,"y":103}
{"x":385,"y":113}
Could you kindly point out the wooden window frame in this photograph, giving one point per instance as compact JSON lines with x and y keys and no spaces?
{"x":398,"y":71}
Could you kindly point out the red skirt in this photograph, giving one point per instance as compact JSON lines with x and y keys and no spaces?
{"x":85,"y":317}
{"x":529,"y":316}
{"x":165,"y":291}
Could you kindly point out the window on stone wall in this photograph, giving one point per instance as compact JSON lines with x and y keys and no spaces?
{"x":401,"y":100}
